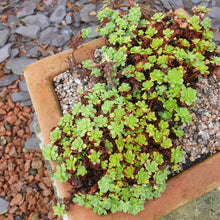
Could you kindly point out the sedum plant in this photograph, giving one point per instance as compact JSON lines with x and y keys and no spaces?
{"x":116,"y":147}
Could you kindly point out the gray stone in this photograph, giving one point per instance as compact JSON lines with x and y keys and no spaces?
{"x":23,"y":86}
{"x":93,"y":32}
{"x":20,"y":96}
{"x":76,"y":17}
{"x":81,"y":2}
{"x":175,"y":4}
{"x":47,"y":35}
{"x":196,"y":1}
{"x":217,"y":36}
{"x":17,"y":65}
{"x":214,"y":12}
{"x":29,"y":10}
{"x":5,"y":52}
{"x":32,"y":143}
{"x":26,"y":103}
{"x":30,"y":31}
{"x":61,"y":2}
{"x":2,"y":26}
{"x":12,"y":38}
{"x":28,"y":2}
{"x":4,"y":34}
{"x":40,"y":20}
{"x":68,"y":19}
{"x":33,"y":52}
{"x":60,"y":40}
{"x":215,"y":23}
{"x":12,"y":21}
{"x":32,"y":171}
{"x":58,"y":14}
{"x":14,"y":52}
{"x":8,"y":80}
{"x":32,"y":123}
{"x":4,"y":206}
{"x":48,"y":2}
{"x":85,"y":16}
{"x":3,"y":142}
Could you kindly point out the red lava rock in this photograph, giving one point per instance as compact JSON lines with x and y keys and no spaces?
{"x":36,"y":164}
{"x":16,"y":200}
{"x":27,"y":165}
{"x":16,"y":110}
{"x":17,"y":122}
{"x":2,"y":112}
{"x":46,"y":192}
{"x":13,"y":152}
{"x":10,"y":103}
{"x":11,"y":119}
{"x":20,"y":133}
{"x":27,"y":109}
{"x":47,"y":181}
{"x":8,"y":133}
{"x":2,"y":130}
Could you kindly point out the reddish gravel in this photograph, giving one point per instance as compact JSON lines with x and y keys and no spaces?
{"x":24,"y":180}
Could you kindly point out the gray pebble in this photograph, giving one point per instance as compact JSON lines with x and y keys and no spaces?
{"x":93,"y":34}
{"x":32,"y":143}
{"x":217,"y":36}
{"x":215,"y":12}
{"x":76,"y":17}
{"x":17,"y":65}
{"x":85,"y":16}
{"x":196,"y":1}
{"x":26,"y":103}
{"x":40,"y":20}
{"x":3,"y":141}
{"x":29,"y":10}
{"x":60,"y":40}
{"x":4,"y":206}
{"x":33,"y":52}
{"x":68,"y":19}
{"x":23,"y":86}
{"x":28,"y":2}
{"x":20,"y":96}
{"x":32,"y":123}
{"x":47,"y":35}
{"x":12,"y":21}
{"x":58,"y":14}
{"x":14,"y":52}
{"x":4,"y":34}
{"x":5,"y":52}
{"x":30,"y":31}
{"x":175,"y":4}
{"x":81,"y":2}
{"x":61,"y":2}
{"x":32,"y":171}
{"x":8,"y":80}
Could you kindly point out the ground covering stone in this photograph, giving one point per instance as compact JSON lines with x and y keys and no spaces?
{"x":4,"y":34}
{"x":40,"y":20}
{"x":5,"y":52}
{"x":29,"y":10}
{"x":4,"y":206}
{"x":30,"y":31}
{"x":8,"y":80}
{"x":58,"y":14}
{"x":20,"y":96}
{"x":85,"y":13}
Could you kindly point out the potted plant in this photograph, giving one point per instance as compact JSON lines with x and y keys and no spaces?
{"x":115,"y":149}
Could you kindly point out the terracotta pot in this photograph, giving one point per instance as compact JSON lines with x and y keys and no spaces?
{"x":181,"y":189}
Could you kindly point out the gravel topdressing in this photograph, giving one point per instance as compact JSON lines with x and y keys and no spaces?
{"x":201,"y":138}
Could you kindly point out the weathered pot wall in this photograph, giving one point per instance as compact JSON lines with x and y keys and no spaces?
{"x":181,"y":189}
